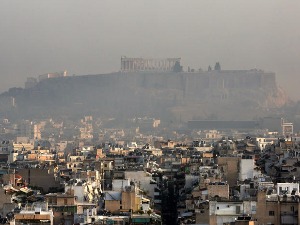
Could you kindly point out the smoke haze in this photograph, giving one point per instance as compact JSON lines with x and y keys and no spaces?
{"x":89,"y":37}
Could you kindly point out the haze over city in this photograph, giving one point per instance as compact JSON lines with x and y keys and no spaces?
{"x":89,"y":37}
{"x":149,"y":112}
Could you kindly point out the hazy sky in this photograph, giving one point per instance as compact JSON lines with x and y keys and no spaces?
{"x":90,"y":36}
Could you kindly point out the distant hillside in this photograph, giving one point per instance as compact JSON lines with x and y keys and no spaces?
{"x":172,"y":96}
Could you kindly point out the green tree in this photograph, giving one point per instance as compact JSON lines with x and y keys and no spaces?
{"x":218,"y":66}
{"x":177,"y":67}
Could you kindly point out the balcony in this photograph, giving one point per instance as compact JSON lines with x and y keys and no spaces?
{"x":71,"y":208}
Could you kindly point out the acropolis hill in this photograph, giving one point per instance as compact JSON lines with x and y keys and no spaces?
{"x":177,"y":96}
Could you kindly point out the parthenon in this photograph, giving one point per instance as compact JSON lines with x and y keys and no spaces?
{"x":141,"y":64}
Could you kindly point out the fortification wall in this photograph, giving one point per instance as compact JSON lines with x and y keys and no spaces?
{"x":202,"y":80}
{"x":156,"y":94}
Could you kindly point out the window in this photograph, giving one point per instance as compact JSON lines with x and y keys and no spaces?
{"x":271,"y":213}
{"x":238,"y":209}
{"x":292,"y":208}
{"x":65,"y":201}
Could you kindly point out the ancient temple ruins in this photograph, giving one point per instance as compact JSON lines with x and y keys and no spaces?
{"x":141,"y":64}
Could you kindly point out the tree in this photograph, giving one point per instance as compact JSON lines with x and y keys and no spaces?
{"x":218,"y":66}
{"x":177,"y":67}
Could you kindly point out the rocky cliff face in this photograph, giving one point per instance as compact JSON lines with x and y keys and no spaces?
{"x":176,"y":96}
{"x":277,"y":98}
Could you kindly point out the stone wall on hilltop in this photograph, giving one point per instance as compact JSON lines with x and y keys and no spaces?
{"x":180,"y":96}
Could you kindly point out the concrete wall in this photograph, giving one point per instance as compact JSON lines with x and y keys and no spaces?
{"x":246,"y":169}
{"x":230,"y":169}
{"x":4,"y":200}
{"x":39,"y":177}
{"x":142,"y":180}
{"x":130,"y":201}
{"x":221,"y":190}
{"x":67,"y":200}
{"x":112,"y":205}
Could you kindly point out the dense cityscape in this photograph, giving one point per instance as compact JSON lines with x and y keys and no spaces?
{"x":143,"y":112}
{"x":145,"y":170}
